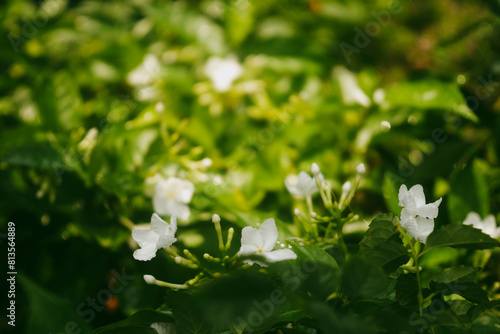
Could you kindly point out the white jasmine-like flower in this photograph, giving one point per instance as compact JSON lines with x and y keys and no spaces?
{"x":303,"y":185}
{"x":222,"y":72}
{"x":161,"y":234}
{"x":261,"y":241}
{"x":146,"y":73}
{"x":417,"y":217}
{"x":171,"y":197}
{"x":351,"y":92}
{"x":487,"y":225}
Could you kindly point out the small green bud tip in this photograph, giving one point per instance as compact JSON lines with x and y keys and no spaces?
{"x":206,"y":256}
{"x":296,"y":211}
{"x":149,"y":279}
{"x":178,"y":259}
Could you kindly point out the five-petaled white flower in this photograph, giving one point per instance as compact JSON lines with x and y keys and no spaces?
{"x":261,"y":241}
{"x":160,"y":235}
{"x":487,"y":225}
{"x":222,"y":72}
{"x":171,"y":197}
{"x":302,"y":185}
{"x":417,"y":217}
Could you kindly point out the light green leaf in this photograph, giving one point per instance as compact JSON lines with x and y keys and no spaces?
{"x":429,"y":94}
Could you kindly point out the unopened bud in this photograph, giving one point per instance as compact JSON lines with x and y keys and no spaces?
{"x":216,"y":219}
{"x":361,"y":169}
{"x":149,"y":279}
{"x":315,"y":169}
{"x":346,"y":187}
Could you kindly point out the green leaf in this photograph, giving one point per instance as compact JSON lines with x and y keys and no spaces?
{"x":48,"y":312}
{"x":429,"y":94}
{"x":458,"y":274}
{"x":40,"y":154}
{"x":312,"y":252}
{"x":382,"y":245}
{"x":188,"y":315}
{"x":362,"y":279}
{"x":469,"y":192}
{"x":459,"y":236}
{"x":138,"y":323}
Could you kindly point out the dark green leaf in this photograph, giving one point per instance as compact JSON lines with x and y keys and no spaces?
{"x":138,"y":323}
{"x":361,"y":279}
{"x":459,"y":274}
{"x":382,"y":245}
{"x":459,"y":236}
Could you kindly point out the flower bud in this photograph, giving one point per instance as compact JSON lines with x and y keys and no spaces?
{"x":149,"y":279}
{"x":346,"y":187}
{"x":361,"y":169}
{"x":216,"y":219}
{"x":315,"y":169}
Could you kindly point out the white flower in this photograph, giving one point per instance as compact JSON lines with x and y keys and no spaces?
{"x":487,"y":226}
{"x":164,"y":327}
{"x":261,"y":241}
{"x":160,"y":235}
{"x":417,"y":217}
{"x":351,"y":92}
{"x":171,"y":197}
{"x":146,"y":73}
{"x":222,"y":72}
{"x":303,"y":185}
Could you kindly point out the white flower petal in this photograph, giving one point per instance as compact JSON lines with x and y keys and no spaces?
{"x":144,"y":237}
{"x":306,"y":185}
{"x":251,"y":236}
{"x":280,"y":255}
{"x":247,"y":249}
{"x":417,"y":193}
{"x":158,"y":225}
{"x":291,"y":183}
{"x":145,"y":253}
{"x":429,"y":210}
{"x":425,"y":227}
{"x":269,"y":234}
{"x":402,"y":195}
{"x":409,"y":222}
{"x":473,"y":219}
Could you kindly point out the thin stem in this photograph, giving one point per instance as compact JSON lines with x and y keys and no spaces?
{"x":414,"y":254}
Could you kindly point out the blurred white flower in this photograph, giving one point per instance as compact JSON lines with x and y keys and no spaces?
{"x":303,"y":185}
{"x":417,"y":217}
{"x":160,"y":235}
{"x":261,"y":241}
{"x":164,"y":327}
{"x":146,"y":72}
{"x":487,"y":226}
{"x":171,"y":197}
{"x":351,"y":92}
{"x":222,"y":72}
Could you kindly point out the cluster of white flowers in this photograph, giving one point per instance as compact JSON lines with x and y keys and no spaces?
{"x":417,"y":217}
{"x":171,"y":197}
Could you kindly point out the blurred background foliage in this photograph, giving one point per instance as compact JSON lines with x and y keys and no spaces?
{"x":80,"y":134}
